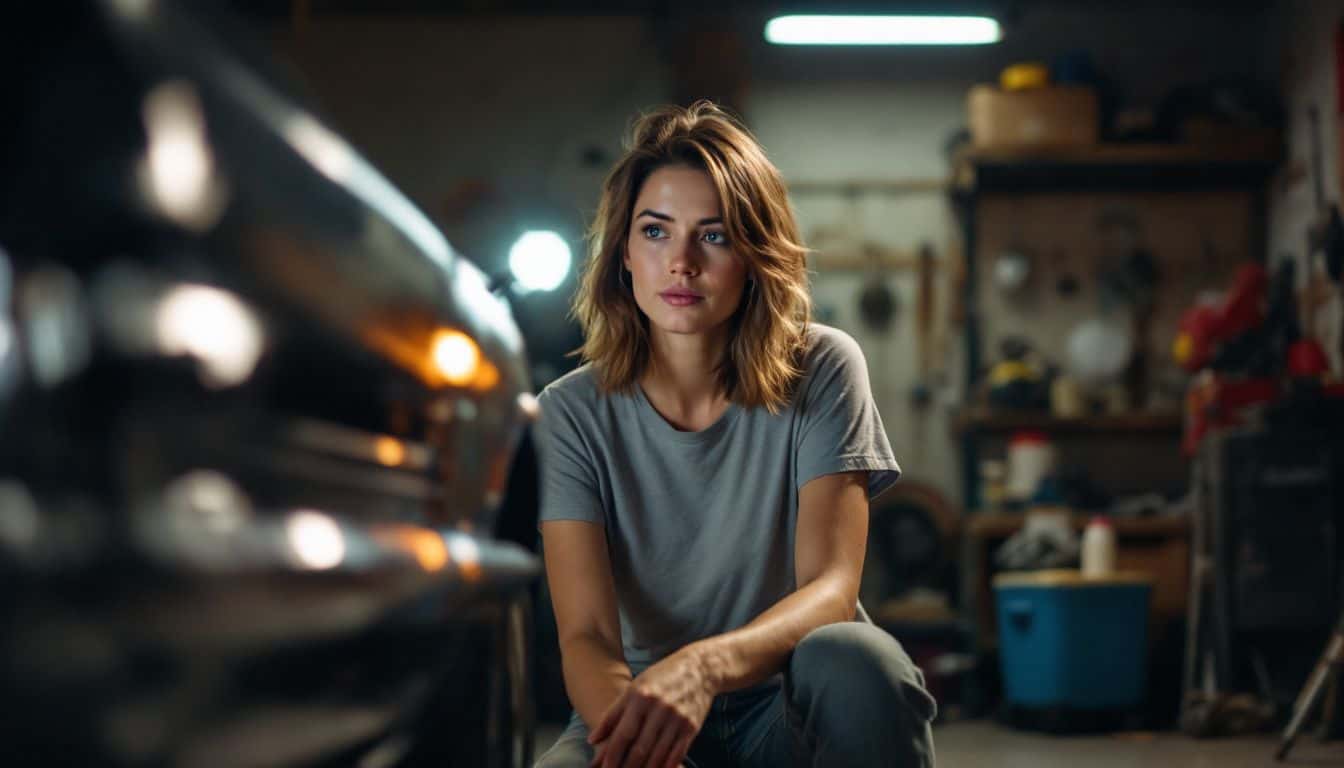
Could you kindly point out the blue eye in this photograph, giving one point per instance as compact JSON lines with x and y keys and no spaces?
{"x":715,"y":238}
{"x":653,"y":231}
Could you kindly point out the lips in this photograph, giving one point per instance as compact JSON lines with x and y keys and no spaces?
{"x":681,"y":297}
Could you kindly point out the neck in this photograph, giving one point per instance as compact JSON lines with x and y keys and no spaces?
{"x":682,"y":376}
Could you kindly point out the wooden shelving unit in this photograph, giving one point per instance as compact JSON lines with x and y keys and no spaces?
{"x":1005,"y":524}
{"x":1111,"y":167}
{"x":999,"y":421}
{"x":1103,"y":168}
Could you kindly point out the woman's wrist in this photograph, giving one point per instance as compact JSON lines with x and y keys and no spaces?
{"x":712,"y":659}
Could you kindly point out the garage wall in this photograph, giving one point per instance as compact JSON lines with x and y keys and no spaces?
{"x":489,"y":122}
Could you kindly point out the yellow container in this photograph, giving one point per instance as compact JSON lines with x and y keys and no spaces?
{"x":1019,"y":77}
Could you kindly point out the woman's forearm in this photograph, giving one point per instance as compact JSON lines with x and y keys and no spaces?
{"x":753,"y":653}
{"x":595,"y":676}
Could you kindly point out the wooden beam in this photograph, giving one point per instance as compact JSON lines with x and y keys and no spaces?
{"x":855,"y":187}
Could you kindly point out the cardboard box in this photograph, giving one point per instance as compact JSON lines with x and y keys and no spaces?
{"x":1056,"y":116}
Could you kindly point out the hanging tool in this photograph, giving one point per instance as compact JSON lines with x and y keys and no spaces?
{"x":1326,"y":235}
{"x":921,"y":394}
{"x":1327,"y":232}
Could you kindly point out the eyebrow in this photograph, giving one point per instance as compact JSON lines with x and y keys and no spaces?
{"x":664,"y":217}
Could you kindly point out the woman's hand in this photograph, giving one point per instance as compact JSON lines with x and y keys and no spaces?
{"x":654,"y":722}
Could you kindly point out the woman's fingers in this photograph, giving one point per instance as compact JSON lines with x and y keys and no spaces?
{"x":679,"y":749}
{"x":666,"y":737}
{"x":609,"y":719}
{"x":640,"y":753}
{"x":621,"y":734}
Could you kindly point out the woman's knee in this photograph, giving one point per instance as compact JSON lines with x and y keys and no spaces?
{"x":862,"y":664}
{"x":565,"y":755}
{"x":571,"y":750}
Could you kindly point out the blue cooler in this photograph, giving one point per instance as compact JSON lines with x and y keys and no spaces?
{"x":1072,"y":642}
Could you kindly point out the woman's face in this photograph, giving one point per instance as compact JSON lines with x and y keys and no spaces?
{"x":686,"y":276}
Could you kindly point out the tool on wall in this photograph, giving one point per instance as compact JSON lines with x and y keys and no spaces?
{"x":879,"y":305}
{"x":921,"y":394}
{"x":1013,"y":266}
{"x":1326,"y":237}
{"x":1067,"y":284}
{"x":1128,"y":283}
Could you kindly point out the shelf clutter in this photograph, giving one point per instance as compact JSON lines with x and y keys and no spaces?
{"x":988,"y":420}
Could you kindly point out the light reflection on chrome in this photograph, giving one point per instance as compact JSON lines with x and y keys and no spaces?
{"x":19,"y":519}
{"x":6,"y":279}
{"x":177,"y":175}
{"x":207,"y":502}
{"x":135,"y":10}
{"x":6,"y":343}
{"x":456,"y":357}
{"x":324,"y":149}
{"x":529,"y":406}
{"x":205,"y":513}
{"x":466,"y":554}
{"x":9,"y":368}
{"x":55,"y":324}
{"x":330,"y":155}
{"x":426,"y":546}
{"x":212,"y":326}
{"x":471,"y":291}
{"x":316,"y":541}
{"x":338,"y":440}
{"x":389,"y":451}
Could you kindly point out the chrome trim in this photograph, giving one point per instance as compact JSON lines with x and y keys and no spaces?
{"x":346,"y":442}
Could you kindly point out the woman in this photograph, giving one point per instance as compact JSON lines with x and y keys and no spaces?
{"x":705,"y":483}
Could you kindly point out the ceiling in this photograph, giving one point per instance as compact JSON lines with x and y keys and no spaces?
{"x":1003,"y":9}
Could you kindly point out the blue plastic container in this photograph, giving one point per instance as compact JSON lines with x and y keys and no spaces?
{"x":1071,"y":642}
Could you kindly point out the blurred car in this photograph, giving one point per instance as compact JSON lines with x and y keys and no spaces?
{"x":259,"y":423}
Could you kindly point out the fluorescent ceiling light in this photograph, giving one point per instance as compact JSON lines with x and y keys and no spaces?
{"x":882,"y":30}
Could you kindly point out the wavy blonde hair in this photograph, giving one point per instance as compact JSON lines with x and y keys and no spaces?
{"x":764,"y":355}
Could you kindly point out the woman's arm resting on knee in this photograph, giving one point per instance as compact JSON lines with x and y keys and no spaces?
{"x":654,"y":721}
{"x":832,"y":536}
{"x":578,"y":571}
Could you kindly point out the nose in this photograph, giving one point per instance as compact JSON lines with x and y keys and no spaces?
{"x":684,"y":258}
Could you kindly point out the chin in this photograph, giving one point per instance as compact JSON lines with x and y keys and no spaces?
{"x":679,"y":325}
{"x":684,"y":325}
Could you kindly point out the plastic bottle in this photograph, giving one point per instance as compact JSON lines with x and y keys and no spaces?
{"x":1098,"y":554}
{"x":1031,"y":456}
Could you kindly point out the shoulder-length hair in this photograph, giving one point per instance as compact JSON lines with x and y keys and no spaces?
{"x":768,"y":336}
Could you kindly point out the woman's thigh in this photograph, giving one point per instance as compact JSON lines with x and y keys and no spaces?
{"x":762,"y":736}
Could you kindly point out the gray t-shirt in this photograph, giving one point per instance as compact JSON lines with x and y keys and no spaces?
{"x":700,"y":525}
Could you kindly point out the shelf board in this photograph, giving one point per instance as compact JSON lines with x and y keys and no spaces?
{"x":1001,"y":525}
{"x":989,"y":420}
{"x":1111,"y":167}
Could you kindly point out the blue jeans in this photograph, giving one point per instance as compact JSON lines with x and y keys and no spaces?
{"x":850,"y":697}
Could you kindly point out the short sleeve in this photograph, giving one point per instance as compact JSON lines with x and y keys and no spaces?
{"x":841,"y":429}
{"x":569,"y":487}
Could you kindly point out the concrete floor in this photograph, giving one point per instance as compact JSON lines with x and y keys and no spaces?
{"x":983,"y":743}
{"x":979,"y":743}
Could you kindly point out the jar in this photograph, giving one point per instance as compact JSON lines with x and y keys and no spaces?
{"x":1098,"y":556}
{"x":1031,"y":457}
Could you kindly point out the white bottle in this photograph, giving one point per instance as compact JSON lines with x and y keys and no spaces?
{"x":1098,"y":547}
